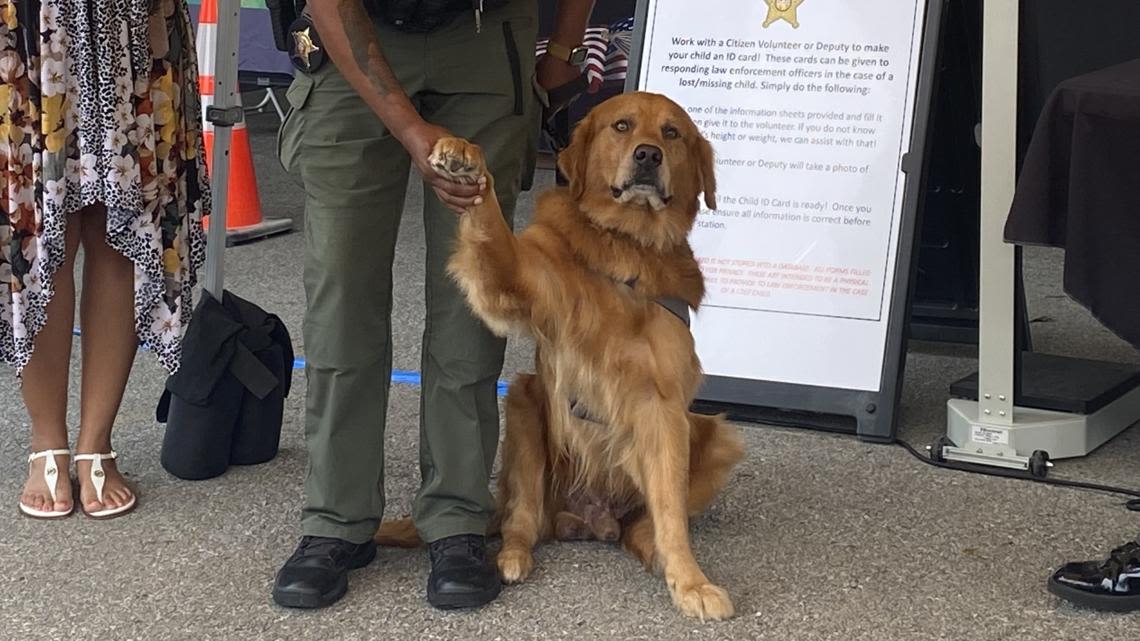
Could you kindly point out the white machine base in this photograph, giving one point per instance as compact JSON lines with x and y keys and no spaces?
{"x":1058,"y":434}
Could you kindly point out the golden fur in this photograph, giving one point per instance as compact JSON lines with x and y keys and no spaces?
{"x":642,"y":465}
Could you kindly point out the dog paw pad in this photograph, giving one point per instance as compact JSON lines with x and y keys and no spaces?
{"x":515,"y":565}
{"x":706,"y":602}
{"x":457,"y":159}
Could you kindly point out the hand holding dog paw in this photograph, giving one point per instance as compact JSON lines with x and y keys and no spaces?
{"x":420,"y":141}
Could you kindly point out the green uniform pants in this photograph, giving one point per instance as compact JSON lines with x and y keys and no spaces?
{"x":480,"y":87}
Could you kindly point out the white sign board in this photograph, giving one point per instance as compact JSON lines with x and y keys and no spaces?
{"x":810,"y":107}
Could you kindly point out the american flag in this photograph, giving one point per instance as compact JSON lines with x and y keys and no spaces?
{"x":608,"y":57}
{"x":617,"y":56}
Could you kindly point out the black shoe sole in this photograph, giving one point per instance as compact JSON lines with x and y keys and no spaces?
{"x":465,"y":601}
{"x":312,"y":601}
{"x":1091,"y":601}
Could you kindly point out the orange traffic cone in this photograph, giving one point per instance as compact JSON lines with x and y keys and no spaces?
{"x":243,"y":205}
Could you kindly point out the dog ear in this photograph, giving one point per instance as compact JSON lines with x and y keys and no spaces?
{"x":707,"y":168}
{"x":572,"y":159}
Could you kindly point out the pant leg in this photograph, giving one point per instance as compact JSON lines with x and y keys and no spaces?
{"x":355,"y":177}
{"x":479,"y":87}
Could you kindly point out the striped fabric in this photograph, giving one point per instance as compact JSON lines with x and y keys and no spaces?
{"x":617,"y":56}
{"x":608,"y":57}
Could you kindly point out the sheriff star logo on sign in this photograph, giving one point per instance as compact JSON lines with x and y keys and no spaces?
{"x":782,"y":10}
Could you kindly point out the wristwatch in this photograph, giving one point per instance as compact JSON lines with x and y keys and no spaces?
{"x":575,"y":56}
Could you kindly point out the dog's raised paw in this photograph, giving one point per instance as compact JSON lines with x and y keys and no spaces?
{"x":706,"y":602}
{"x":515,"y":565}
{"x":457,"y":159}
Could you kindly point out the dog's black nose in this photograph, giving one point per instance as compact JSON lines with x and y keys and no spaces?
{"x":647,"y":155}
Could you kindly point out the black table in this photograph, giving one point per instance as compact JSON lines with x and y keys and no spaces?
{"x":1079,"y":189}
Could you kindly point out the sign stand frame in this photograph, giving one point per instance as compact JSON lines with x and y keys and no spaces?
{"x":872,"y":416}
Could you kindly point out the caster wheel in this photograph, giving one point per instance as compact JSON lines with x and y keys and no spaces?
{"x":1039,"y":464}
{"x":936,"y":454}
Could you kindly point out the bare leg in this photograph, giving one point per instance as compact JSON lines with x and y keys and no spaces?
{"x":44,"y":384}
{"x":107,"y":314}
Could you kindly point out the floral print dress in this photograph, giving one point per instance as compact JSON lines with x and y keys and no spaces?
{"x":99,"y":103}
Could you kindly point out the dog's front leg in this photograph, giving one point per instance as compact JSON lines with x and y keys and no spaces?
{"x":485,"y":262}
{"x":661,"y":471}
{"x":522,"y":486}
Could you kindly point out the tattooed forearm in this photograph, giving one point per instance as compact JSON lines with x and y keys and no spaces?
{"x":351,"y":41}
{"x":365,"y":46}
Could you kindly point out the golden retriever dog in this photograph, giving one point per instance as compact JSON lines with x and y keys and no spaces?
{"x":599,"y":441}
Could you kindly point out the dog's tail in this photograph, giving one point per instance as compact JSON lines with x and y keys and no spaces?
{"x":400,"y":533}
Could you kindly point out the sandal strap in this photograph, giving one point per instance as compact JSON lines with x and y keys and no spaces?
{"x":98,"y":476}
{"x":46,"y":453}
{"x":109,"y":456}
{"x":51,"y":468}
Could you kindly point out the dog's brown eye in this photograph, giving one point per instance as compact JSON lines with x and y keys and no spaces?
{"x":622,"y":126}
{"x":670,"y":133}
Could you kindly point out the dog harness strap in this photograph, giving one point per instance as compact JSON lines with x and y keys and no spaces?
{"x":674,"y":306}
{"x":677,"y":307}
{"x":578,"y":410}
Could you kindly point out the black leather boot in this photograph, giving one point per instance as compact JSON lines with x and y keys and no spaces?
{"x":316,"y":576}
{"x":460,"y":576}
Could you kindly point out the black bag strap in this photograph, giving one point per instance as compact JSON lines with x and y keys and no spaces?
{"x":252,"y":373}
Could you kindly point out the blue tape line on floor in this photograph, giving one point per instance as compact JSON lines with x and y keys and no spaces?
{"x":406,"y":377}
{"x":399,"y":376}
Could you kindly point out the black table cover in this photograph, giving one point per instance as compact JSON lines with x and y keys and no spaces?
{"x":1079,"y":189}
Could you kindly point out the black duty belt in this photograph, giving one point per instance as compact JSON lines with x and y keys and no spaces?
{"x":295,"y":33}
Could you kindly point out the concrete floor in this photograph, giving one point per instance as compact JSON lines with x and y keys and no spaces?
{"x":818,"y":536}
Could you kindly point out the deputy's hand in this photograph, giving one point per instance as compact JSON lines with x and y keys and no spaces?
{"x":552,"y":72}
{"x":459,"y":197}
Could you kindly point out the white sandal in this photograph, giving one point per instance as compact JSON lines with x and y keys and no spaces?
{"x":98,"y":478}
{"x":51,"y":479}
